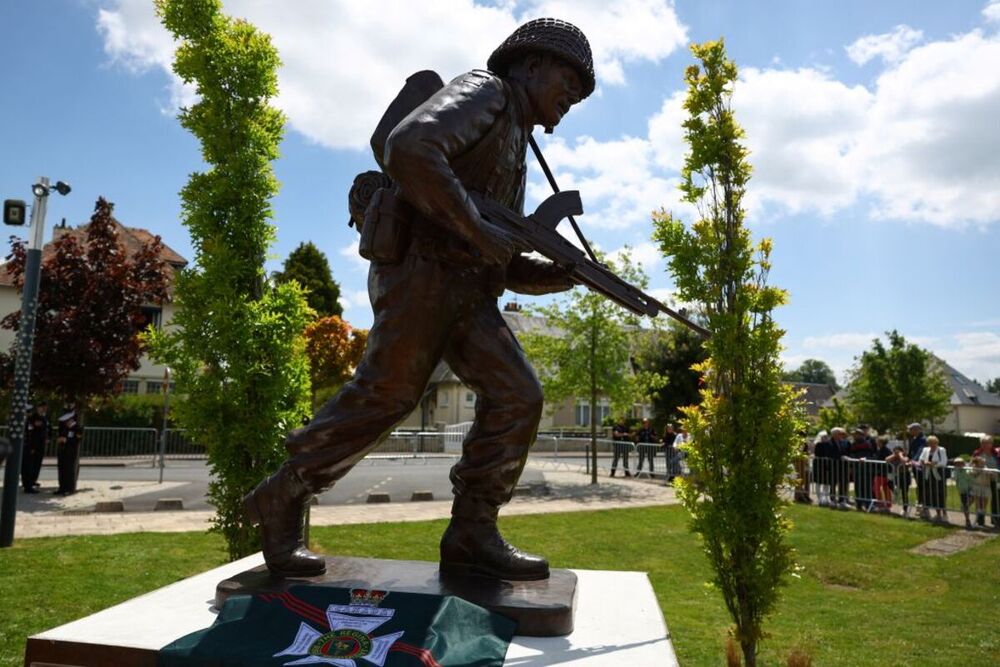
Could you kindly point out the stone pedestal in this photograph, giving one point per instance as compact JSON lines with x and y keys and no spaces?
{"x":541,"y":608}
{"x":618,"y":622}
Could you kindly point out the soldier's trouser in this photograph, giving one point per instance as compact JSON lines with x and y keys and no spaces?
{"x":426,"y":311}
{"x":68,"y":462}
{"x":621,"y":450}
{"x":31,"y":464}
{"x":646,"y":452}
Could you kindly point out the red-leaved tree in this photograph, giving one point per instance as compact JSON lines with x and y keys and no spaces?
{"x":89,"y":314}
{"x":334,"y":349}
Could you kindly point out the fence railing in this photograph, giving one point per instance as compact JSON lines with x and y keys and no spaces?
{"x":910,"y":488}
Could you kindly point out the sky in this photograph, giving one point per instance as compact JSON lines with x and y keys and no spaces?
{"x":873,"y":129}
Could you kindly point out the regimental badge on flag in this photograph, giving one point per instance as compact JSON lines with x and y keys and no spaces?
{"x":317,"y":625}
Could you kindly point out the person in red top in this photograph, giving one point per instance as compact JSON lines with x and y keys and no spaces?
{"x":991,"y":457}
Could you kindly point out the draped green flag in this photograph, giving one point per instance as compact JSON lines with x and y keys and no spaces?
{"x":316,"y":625}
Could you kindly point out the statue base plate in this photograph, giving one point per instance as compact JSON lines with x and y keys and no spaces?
{"x":542,"y":608}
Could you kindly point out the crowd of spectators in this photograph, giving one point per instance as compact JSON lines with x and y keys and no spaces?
{"x":885,"y":473}
{"x":862,"y":469}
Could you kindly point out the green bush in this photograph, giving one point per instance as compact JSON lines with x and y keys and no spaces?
{"x":956,"y":444}
{"x":130,"y":411}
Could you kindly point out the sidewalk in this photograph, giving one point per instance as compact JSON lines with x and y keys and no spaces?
{"x":568,"y":491}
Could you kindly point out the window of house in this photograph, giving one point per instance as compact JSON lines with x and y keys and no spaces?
{"x":151,"y":315}
{"x":130,"y":387}
{"x":582,"y":412}
{"x":153,"y":387}
{"x":470,"y":398}
{"x":442,"y":398}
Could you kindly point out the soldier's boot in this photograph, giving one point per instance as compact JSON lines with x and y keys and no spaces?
{"x":279,"y":504}
{"x":471,"y":547}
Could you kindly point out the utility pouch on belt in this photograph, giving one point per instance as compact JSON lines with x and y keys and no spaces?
{"x":385,"y":234}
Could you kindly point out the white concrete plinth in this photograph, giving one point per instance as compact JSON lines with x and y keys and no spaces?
{"x":618,"y":622}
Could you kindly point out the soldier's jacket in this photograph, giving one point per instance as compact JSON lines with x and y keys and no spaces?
{"x":471,"y":135}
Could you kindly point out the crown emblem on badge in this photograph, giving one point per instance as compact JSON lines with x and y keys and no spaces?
{"x":362,"y":597}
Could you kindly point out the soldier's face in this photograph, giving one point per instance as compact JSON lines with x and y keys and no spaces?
{"x":553,"y":87}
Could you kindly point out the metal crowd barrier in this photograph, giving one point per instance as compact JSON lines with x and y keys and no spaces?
{"x":907,"y":488}
{"x":412,"y":442}
{"x":102,"y":442}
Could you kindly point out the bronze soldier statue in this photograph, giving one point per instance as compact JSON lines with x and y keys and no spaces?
{"x":438,"y":300}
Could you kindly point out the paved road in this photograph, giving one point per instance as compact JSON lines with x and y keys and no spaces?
{"x":188,"y":480}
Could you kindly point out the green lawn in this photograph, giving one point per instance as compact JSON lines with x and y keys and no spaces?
{"x":861,"y":598}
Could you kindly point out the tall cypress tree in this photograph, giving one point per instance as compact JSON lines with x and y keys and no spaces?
{"x":308,"y":266}
{"x":237,"y":348}
{"x":744,"y":430}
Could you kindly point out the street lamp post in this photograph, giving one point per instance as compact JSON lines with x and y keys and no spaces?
{"x":22,"y":364}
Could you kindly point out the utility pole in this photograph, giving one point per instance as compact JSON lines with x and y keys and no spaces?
{"x":25,"y":340}
{"x":166,"y":413}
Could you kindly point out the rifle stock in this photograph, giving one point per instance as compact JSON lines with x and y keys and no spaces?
{"x":538,"y":232}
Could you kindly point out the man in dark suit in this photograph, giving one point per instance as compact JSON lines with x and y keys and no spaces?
{"x":68,"y":453}
{"x":36,"y":436}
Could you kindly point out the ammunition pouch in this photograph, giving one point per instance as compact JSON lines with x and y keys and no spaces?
{"x":385,"y":235}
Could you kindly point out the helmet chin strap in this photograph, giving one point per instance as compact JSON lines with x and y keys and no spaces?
{"x":555,"y":188}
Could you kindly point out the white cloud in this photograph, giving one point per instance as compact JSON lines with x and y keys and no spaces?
{"x":646,"y":255}
{"x":976,"y":354}
{"x":666,"y":134}
{"x":890,"y":46}
{"x":344,"y":61}
{"x":355,"y":299}
{"x":851,"y":341}
{"x":991,"y":12}
{"x":355,"y":261}
{"x":618,"y":180}
{"x":802,"y":127}
{"x":920,"y":144}
{"x":931,"y":141}
{"x":620,"y":32}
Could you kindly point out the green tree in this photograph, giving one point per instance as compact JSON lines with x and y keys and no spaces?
{"x":839,"y":414}
{"x":892,"y":387}
{"x":673,"y":354}
{"x":815,"y":371}
{"x":993,"y":386}
{"x":237,"y":348}
{"x":590,"y":352}
{"x":744,"y":431}
{"x":307,"y":266}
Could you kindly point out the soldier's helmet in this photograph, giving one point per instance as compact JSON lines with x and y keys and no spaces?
{"x":559,"y":38}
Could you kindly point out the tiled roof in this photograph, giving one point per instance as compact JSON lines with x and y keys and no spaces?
{"x":131,"y":238}
{"x":964,"y":391}
{"x":816,"y":395}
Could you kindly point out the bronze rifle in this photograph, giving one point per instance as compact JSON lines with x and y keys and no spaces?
{"x":537,"y":232}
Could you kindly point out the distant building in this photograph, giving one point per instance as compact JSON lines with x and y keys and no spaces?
{"x":973,"y":409}
{"x":448,"y":401}
{"x":149,"y":378}
{"x":815,"y":396}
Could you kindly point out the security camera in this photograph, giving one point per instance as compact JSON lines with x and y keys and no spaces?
{"x":63,"y":188}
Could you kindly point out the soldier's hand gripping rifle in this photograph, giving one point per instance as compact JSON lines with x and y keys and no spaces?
{"x":538,"y":232}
